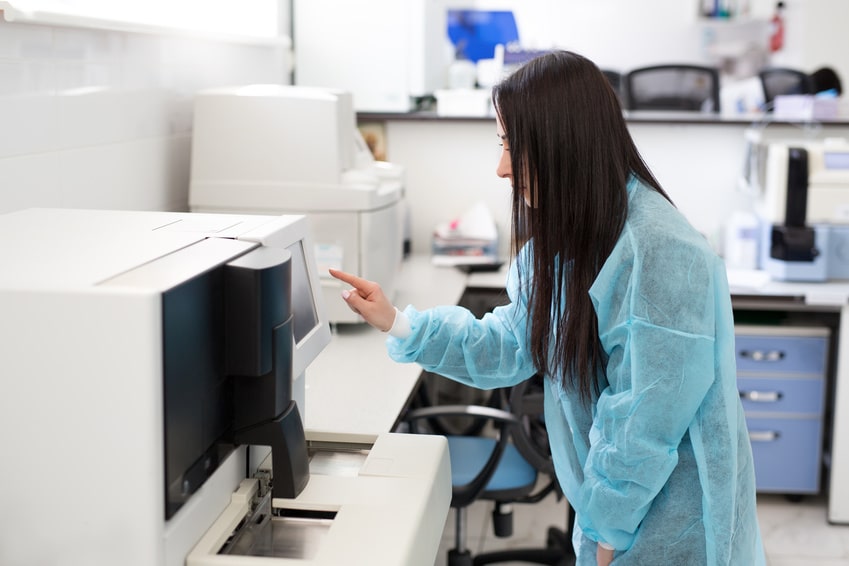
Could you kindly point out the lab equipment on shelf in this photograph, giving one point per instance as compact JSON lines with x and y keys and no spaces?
{"x":803,"y":205}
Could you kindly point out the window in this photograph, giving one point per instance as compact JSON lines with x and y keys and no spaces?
{"x":248,"y":20}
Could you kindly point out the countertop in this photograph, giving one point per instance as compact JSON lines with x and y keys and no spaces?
{"x":355,"y":392}
{"x":354,"y":370}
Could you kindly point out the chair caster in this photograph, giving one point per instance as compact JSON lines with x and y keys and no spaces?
{"x":459,"y":558}
{"x":558,"y":539}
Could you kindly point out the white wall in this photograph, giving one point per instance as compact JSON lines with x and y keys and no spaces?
{"x":816,"y":36}
{"x":618,"y":34}
{"x":451,"y":166}
{"x":622,"y":34}
{"x":102,"y":119}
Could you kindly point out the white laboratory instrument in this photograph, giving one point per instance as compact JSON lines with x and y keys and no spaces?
{"x":273,"y":149}
{"x":804,"y":209}
{"x":387,"y":53}
{"x":827,"y":180}
{"x":149,"y":358}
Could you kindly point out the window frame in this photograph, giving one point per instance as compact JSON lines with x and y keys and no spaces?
{"x":83,"y":14}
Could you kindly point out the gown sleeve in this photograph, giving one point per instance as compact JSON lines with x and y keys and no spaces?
{"x":486,"y":353}
{"x":656,"y":323}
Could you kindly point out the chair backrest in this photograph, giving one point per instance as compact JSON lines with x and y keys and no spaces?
{"x":673,"y":87}
{"x":826,"y":78}
{"x":780,"y":80}
{"x":530,"y":436}
{"x":527,"y":402}
{"x":615,"y":80}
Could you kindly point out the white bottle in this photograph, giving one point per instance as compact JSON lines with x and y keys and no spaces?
{"x":462,"y":73}
{"x":741,"y":240}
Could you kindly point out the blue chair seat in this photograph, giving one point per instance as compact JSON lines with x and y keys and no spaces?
{"x":469,"y":454}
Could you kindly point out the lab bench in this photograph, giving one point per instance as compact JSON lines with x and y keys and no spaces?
{"x":354,"y":391}
{"x":781,"y":376}
{"x":810,"y":304}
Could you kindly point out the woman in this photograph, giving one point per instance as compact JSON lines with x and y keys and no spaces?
{"x":625,"y":310}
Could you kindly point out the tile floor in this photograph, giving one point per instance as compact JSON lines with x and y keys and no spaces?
{"x":795,"y":534}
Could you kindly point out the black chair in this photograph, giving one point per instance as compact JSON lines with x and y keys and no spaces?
{"x":435,"y":389}
{"x":531,"y":440}
{"x":497,"y":469}
{"x":826,"y":78}
{"x":682,"y":87}
{"x":781,"y":80}
{"x":615,"y":80}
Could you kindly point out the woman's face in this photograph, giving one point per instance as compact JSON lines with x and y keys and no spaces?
{"x":505,"y":166}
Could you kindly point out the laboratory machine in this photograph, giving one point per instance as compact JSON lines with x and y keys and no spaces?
{"x":275,"y":149}
{"x":154,"y":411}
{"x":804,"y":209}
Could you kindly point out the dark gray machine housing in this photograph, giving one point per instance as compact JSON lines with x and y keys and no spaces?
{"x":228,"y":347}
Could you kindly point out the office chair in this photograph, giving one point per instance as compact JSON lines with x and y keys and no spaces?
{"x":615,"y":80}
{"x":494,"y":469}
{"x":684,"y":87}
{"x":531,"y":440}
{"x":780,"y":80}
{"x":481,"y":466}
{"x":436,"y":390}
{"x":826,"y":78}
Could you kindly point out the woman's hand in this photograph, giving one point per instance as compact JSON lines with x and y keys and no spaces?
{"x":367,"y":299}
{"x":603,"y":556}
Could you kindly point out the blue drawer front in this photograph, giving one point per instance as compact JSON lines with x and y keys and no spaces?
{"x":786,"y":453}
{"x":781,"y":395}
{"x":781,"y":354}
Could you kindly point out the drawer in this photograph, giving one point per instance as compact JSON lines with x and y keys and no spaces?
{"x":774,"y":352}
{"x":787,"y":454}
{"x":782,"y":395}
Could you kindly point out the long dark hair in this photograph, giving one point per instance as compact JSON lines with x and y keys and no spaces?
{"x":568,"y":138}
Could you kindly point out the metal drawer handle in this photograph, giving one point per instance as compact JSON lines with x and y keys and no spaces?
{"x":764,"y":436}
{"x":761,"y":396}
{"x":763,"y":355}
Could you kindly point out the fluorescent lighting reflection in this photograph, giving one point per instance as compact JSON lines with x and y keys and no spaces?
{"x":249,"y":18}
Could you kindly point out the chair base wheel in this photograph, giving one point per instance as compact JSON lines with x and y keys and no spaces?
{"x":557,"y":552}
{"x":459,"y":558}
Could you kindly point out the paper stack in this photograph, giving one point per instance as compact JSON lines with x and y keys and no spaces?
{"x":471,"y":239}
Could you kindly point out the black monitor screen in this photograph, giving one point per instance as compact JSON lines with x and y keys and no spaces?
{"x":197,"y":396}
{"x":303,"y":305}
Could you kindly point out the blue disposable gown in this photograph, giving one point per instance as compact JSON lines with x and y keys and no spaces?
{"x":659,"y":464}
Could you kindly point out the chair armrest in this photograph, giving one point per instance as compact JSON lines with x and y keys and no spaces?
{"x":463,"y":495}
{"x":473,"y":411}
